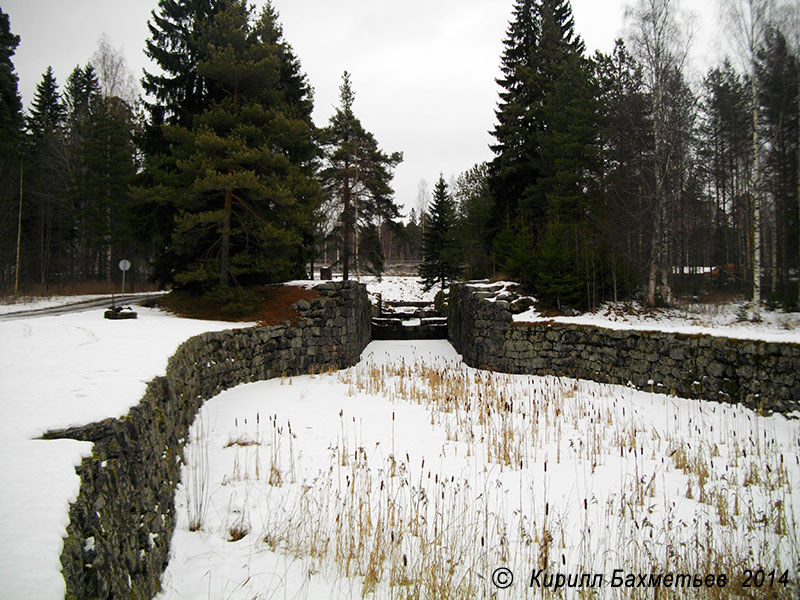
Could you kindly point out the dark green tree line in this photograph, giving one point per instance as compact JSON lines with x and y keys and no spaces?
{"x":613,"y":177}
{"x":69,"y":163}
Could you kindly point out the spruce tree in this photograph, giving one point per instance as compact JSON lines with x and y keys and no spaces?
{"x":81,"y":97}
{"x":512,"y":171}
{"x":440,"y":256}
{"x":539,"y":44}
{"x":47,"y":109}
{"x":356,"y":176}
{"x":568,"y":152}
{"x":10,"y":155}
{"x":561,"y":100}
{"x":244,"y":182}
{"x":412,"y":237}
{"x":101,"y":162}
{"x":110,"y":155}
{"x":180,"y":92}
{"x":558,"y":282}
{"x":82,"y":92}
{"x":547,"y":154}
{"x":46,"y":182}
{"x":10,"y":102}
{"x":176,"y":46}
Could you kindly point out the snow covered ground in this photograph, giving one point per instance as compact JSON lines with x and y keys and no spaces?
{"x":582,"y":447}
{"x":392,"y":288}
{"x":412,"y":475}
{"x":731,"y":319}
{"x":58,"y":372}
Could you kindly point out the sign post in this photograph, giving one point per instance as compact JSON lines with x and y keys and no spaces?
{"x":124,"y":265}
{"x":121,"y":312}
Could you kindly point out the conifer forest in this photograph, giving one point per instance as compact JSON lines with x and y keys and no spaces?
{"x":614,"y":176}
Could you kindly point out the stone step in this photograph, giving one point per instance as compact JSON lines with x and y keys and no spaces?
{"x":434,"y":328}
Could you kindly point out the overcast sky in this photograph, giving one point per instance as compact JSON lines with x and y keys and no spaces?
{"x":423,"y":70}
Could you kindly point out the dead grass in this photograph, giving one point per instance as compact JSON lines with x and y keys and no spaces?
{"x":266,"y":305}
{"x":237,"y":532}
{"x":242,"y":442}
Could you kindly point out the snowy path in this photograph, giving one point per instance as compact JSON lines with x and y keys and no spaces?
{"x":58,"y":372}
{"x":65,"y":305}
{"x":56,"y":305}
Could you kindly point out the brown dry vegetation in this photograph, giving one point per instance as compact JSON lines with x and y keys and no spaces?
{"x":266,"y":305}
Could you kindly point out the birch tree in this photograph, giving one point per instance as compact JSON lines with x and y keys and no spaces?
{"x":661,"y":36}
{"x":748,"y":24}
{"x":114,"y":74}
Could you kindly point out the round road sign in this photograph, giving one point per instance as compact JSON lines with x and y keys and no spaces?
{"x":124,"y":264}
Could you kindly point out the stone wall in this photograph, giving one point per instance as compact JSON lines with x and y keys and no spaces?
{"x":120,"y":527}
{"x":762,"y":375}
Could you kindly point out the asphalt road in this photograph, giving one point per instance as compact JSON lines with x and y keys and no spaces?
{"x":77,"y":306}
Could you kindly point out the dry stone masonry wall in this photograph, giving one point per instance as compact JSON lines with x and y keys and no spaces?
{"x":118,"y":537}
{"x":762,"y":375}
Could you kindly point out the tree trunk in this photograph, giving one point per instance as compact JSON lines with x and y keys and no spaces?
{"x":19,"y":234}
{"x":656,"y":246}
{"x":756,"y":196}
{"x":773,"y":251}
{"x":225,"y":251}
{"x":356,"y":262}
{"x":108,"y":241}
{"x":652,"y":276}
{"x":348,"y":231}
{"x":224,"y":260}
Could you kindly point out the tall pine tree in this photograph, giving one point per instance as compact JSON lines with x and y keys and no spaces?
{"x":356,"y":176}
